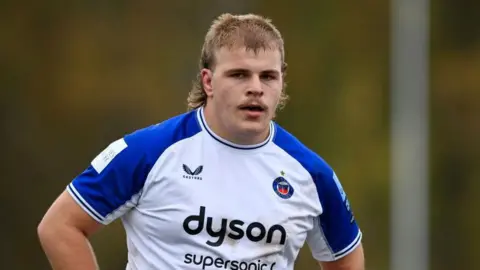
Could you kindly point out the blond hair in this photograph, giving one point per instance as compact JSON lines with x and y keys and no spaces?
{"x":252,"y":31}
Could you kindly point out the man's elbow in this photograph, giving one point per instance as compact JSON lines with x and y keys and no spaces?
{"x":52,"y":228}
{"x":46,"y":231}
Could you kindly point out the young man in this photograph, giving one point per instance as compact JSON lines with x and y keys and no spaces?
{"x":219,"y":187}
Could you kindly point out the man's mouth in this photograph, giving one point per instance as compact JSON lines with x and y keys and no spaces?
{"x":252,"y":108}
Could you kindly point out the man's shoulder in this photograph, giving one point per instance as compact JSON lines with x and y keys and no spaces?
{"x":157,"y":137}
{"x":307,"y":157}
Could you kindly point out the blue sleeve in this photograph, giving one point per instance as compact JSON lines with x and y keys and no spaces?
{"x":336,"y":232}
{"x":113,"y":181}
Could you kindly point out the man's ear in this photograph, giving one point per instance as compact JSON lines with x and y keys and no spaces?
{"x":206,"y":75}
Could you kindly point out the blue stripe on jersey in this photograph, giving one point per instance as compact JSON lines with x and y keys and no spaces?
{"x":339,"y":227}
{"x":103,"y":193}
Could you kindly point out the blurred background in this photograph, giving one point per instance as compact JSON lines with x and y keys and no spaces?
{"x":76,"y":75}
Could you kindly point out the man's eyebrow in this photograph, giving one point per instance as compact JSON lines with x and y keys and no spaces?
{"x":237,"y":70}
{"x":271,"y":71}
{"x":243,"y":70}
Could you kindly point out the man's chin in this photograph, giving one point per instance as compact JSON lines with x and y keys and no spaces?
{"x":254,"y":128}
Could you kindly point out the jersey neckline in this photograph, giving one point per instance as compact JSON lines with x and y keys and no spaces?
{"x":204,"y":125}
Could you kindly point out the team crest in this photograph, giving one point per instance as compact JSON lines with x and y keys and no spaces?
{"x":282,"y":188}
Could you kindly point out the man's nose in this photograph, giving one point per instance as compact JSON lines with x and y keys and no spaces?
{"x":255,"y":86}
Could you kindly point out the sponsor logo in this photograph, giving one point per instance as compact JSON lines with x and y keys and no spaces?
{"x":101,"y":161}
{"x":192,"y":174}
{"x":208,"y":262}
{"x":345,"y":200}
{"x":237,"y":229}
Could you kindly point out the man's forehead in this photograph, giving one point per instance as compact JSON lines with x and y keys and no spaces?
{"x":248,"y":58}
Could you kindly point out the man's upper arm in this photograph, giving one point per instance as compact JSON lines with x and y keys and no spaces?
{"x":335,"y":234}
{"x":352,"y":261}
{"x":65,"y":211}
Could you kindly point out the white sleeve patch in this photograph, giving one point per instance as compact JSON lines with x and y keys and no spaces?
{"x":106,"y":156}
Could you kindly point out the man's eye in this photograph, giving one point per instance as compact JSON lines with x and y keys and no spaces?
{"x":269,"y":77}
{"x":237,"y":75}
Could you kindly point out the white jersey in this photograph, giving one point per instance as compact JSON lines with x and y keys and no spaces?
{"x":188,"y":199}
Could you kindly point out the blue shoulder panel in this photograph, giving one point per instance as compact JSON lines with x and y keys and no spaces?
{"x":120,"y":171}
